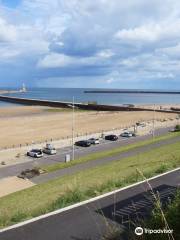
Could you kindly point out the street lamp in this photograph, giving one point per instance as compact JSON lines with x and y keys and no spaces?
{"x":73,"y":129}
{"x":153,"y":130}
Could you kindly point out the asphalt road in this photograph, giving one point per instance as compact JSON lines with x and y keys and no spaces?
{"x":14,"y":170}
{"x":101,"y":161}
{"x":92,"y":220}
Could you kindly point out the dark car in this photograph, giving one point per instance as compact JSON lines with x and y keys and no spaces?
{"x":83,"y":143}
{"x":111,"y":137}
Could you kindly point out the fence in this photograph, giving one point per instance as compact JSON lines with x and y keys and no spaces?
{"x":77,"y":135}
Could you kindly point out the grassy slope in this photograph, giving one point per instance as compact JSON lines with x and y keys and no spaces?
{"x":70,"y":189}
{"x":172,"y":215}
{"x":108,"y":153}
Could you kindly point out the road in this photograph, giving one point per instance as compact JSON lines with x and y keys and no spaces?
{"x":101,"y":161}
{"x":14,"y":170}
{"x":92,"y":220}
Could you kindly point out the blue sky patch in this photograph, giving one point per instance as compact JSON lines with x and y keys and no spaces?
{"x":11,"y":3}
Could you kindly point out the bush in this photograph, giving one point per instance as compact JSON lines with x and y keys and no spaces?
{"x":172,"y":215}
{"x":177,"y":128}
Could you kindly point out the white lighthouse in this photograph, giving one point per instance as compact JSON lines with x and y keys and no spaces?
{"x":23,"y":89}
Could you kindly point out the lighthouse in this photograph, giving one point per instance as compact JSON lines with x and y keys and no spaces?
{"x":23,"y":89}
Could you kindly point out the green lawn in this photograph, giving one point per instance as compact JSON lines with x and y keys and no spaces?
{"x":66,"y":190}
{"x":108,"y":153}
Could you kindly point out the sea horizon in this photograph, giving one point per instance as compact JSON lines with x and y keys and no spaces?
{"x":120,"y":98}
{"x":98,"y":88}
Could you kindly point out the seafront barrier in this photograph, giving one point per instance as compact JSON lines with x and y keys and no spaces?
{"x":84,"y":106}
{"x":132,"y":91}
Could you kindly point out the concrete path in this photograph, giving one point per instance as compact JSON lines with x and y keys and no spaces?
{"x":13,"y":184}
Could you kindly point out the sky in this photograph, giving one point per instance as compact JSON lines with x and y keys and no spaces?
{"x":94,"y":44}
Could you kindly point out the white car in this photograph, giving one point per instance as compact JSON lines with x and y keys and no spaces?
{"x":50,"y":151}
{"x":126,"y":134}
{"x":94,"y":140}
{"x":36,"y":153}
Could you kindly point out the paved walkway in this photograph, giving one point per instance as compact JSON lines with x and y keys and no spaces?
{"x":13,"y":184}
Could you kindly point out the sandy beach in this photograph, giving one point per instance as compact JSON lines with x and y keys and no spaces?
{"x":24,"y":127}
{"x":29,"y":124}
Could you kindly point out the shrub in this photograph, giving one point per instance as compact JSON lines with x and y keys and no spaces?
{"x":177,"y":128}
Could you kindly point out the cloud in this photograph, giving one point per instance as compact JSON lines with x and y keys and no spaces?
{"x":7,"y":53}
{"x":111,"y":43}
{"x":8,"y":32}
{"x":56,"y":60}
{"x":152,"y":32}
{"x":172,"y":51}
{"x":107,"y":53}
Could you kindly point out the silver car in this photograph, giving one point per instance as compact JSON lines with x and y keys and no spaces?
{"x":49,"y":151}
{"x":94,"y":140}
{"x":126,"y":134}
{"x":36,"y":153}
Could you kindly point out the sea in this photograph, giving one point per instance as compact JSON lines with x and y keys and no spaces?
{"x":79,"y":95}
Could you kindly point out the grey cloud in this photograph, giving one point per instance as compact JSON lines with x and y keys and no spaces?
{"x":117,"y":40}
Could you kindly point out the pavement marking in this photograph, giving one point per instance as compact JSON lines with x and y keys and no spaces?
{"x":137,"y":206}
{"x":84,"y":202}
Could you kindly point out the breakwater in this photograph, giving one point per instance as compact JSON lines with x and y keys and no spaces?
{"x":132,"y":91}
{"x":84,"y":106}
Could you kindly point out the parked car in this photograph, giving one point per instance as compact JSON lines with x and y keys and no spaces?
{"x":36,"y":153}
{"x":83,"y":143}
{"x":49,"y":149}
{"x":126,"y":134}
{"x":111,"y":137}
{"x":94,"y":140}
{"x":133,"y":133}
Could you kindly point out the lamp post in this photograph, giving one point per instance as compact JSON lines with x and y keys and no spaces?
{"x":73,"y":129}
{"x":153,"y":130}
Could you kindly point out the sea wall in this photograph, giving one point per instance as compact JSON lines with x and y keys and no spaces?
{"x":84,"y":106}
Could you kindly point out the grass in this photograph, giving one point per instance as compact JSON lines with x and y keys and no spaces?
{"x":157,"y":220}
{"x":108,"y":153}
{"x":67,"y":190}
